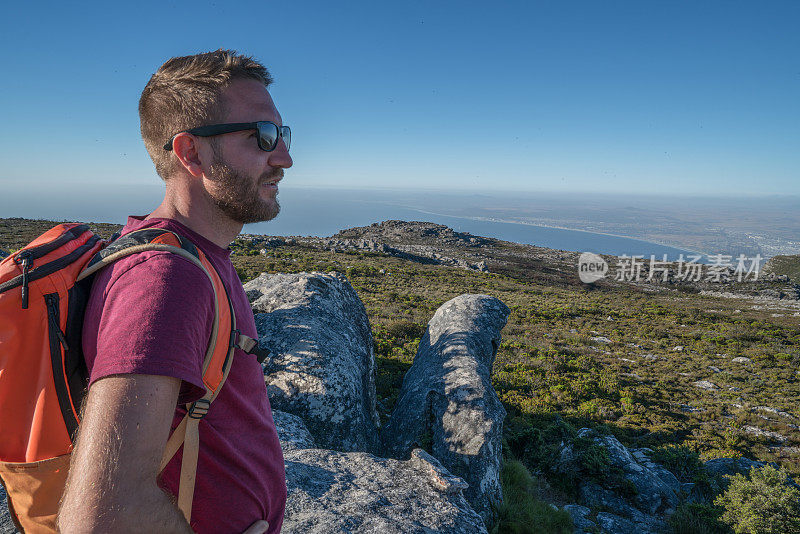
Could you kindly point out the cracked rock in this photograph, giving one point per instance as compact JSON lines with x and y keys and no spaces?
{"x":321,"y":365}
{"x":447,"y":398}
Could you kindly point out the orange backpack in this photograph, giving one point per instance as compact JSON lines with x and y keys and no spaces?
{"x":44,"y":288}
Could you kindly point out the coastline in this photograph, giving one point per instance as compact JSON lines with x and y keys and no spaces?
{"x":493,"y":220}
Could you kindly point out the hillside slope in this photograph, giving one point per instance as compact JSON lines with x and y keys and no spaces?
{"x":785,"y":265}
{"x":653,"y":363}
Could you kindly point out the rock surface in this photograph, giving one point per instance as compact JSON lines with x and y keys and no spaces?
{"x":722,"y":467}
{"x":292,"y":432}
{"x":705,"y":384}
{"x":447,"y":397}
{"x":335,"y":492}
{"x":332,"y":492}
{"x":617,"y":525}
{"x":656,"y":491}
{"x":321,"y":365}
{"x":419,"y":253}
{"x":417,"y":241}
{"x":579,"y":517}
{"x":6,"y":523}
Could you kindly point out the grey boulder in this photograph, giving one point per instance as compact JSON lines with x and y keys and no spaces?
{"x":292,"y":432}
{"x":614,"y":524}
{"x":447,"y":401}
{"x":580,"y":519}
{"x":657,"y":490}
{"x":598,"y":497}
{"x":334,"y":492}
{"x":321,"y":365}
{"x":723,"y":468}
{"x":731,"y":466}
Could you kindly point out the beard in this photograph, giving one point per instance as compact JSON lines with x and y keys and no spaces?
{"x":238,"y":197}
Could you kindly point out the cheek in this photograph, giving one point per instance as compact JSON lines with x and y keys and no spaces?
{"x":246,"y":157}
{"x":256,"y":167}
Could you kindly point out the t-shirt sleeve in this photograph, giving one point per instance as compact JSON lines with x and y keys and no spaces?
{"x":156,"y":320}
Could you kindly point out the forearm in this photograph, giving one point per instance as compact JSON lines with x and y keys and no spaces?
{"x":149,"y":509}
{"x":111,"y":486}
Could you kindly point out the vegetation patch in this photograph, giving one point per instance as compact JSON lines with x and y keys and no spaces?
{"x":697,"y":518}
{"x":522,"y":512}
{"x":761,"y":503}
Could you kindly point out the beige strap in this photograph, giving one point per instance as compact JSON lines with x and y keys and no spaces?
{"x":188,"y":431}
{"x":174,"y":443}
{"x":191,"y":449}
{"x":246,"y":343}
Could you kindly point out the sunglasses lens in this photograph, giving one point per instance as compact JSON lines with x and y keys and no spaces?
{"x":286,"y":133}
{"x":268,"y":135}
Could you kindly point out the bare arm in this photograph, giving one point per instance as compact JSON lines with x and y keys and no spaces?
{"x":112,"y":479}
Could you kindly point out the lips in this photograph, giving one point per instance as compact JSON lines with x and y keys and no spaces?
{"x":274,"y":179}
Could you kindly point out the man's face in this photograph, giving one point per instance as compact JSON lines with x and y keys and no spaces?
{"x":242,"y":178}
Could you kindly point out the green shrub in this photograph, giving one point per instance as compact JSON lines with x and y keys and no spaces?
{"x":592,"y":458}
{"x":535,"y":441}
{"x":761,"y":503}
{"x":521,"y":511}
{"x":697,"y":518}
{"x":405,"y":330}
{"x":682,"y":461}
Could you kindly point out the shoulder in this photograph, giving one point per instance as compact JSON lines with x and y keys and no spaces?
{"x":150,"y":313}
{"x":156,"y":271}
{"x":159,"y":289}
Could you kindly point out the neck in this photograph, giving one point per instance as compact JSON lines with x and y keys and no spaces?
{"x":198,"y":213}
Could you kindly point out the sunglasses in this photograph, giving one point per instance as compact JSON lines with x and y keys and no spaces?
{"x":269,"y":133}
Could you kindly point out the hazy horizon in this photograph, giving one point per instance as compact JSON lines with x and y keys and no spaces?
{"x":604,"y":223}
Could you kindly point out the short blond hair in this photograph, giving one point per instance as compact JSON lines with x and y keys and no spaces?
{"x":185,"y":93}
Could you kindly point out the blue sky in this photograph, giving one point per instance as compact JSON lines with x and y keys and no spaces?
{"x":690,"y":98}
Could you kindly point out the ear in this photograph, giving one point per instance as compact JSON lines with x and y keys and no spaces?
{"x":187,"y":151}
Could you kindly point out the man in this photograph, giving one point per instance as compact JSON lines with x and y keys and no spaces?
{"x":149,"y":318}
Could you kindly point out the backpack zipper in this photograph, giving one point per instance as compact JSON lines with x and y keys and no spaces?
{"x":54,"y":318}
{"x":26,"y":256}
{"x":26,"y":264}
{"x":59,"y":360}
{"x":37,"y":252}
{"x":44,"y":270}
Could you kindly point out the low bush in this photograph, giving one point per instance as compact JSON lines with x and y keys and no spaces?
{"x":593,"y":459}
{"x":535,"y":440}
{"x":405,"y":330}
{"x":697,"y":518}
{"x":682,"y":461}
{"x":761,"y":503}
{"x":522,"y":512}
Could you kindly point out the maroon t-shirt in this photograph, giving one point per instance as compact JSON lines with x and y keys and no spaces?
{"x":151,"y":313}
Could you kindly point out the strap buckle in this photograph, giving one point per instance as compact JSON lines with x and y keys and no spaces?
{"x":235,"y":338}
{"x":249,"y":346}
{"x":199,"y":408}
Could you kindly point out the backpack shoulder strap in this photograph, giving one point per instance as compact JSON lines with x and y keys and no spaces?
{"x":225,"y":338}
{"x":158,"y":239}
{"x":218,"y":357}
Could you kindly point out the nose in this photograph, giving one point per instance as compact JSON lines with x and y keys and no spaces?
{"x":280,"y":156}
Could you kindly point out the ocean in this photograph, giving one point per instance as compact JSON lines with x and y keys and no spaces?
{"x":315,"y":212}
